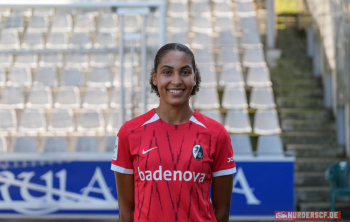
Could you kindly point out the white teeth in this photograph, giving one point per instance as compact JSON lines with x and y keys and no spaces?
{"x":175,"y":91}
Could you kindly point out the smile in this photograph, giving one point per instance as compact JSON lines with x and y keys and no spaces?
{"x":176,"y":92}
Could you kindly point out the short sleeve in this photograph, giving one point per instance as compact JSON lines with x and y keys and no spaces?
{"x":223,"y":156}
{"x":122,"y":159}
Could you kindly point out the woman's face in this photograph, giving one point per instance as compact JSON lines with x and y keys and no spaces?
{"x":175,"y":78}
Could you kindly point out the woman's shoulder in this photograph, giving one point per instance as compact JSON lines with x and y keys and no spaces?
{"x":208,"y":122}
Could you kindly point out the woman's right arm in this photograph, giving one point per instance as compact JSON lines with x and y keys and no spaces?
{"x":125,"y":192}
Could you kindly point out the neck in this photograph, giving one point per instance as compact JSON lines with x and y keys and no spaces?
{"x":175,"y":115}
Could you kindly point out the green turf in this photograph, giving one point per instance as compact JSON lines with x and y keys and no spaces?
{"x":286,"y":6}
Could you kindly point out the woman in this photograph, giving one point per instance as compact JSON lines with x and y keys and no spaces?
{"x":166,"y":159}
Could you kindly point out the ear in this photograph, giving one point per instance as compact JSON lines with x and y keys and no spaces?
{"x":195,"y":78}
{"x":154,"y":78}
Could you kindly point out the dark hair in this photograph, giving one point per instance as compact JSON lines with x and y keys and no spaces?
{"x":175,"y":47}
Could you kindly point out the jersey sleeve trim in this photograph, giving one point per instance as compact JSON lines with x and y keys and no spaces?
{"x":224,"y":172}
{"x":121,"y":169}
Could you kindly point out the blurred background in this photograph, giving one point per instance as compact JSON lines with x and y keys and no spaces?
{"x":276,"y":73}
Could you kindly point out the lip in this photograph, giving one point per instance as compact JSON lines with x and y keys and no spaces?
{"x":176,"y":94}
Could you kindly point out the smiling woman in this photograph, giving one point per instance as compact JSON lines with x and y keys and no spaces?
{"x":166,"y":159}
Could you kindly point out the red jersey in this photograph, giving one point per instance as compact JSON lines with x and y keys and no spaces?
{"x":173,"y":165}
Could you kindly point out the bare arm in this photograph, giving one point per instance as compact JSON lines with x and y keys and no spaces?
{"x":125,"y":191}
{"x":221,"y":193}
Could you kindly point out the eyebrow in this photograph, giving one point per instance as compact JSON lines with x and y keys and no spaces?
{"x":170,"y":67}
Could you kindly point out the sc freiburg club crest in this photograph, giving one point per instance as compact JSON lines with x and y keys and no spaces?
{"x":198,"y":152}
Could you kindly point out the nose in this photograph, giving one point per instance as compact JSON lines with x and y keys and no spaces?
{"x":176,"y":80}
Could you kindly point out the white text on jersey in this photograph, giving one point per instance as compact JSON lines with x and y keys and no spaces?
{"x":230,"y":159}
{"x":168,"y":175}
{"x":144,"y":152}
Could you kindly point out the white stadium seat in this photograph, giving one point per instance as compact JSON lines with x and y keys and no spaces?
{"x":202,"y":40}
{"x":12,"y":98}
{"x":207,"y":98}
{"x":101,"y":60}
{"x":45,"y":76}
{"x":177,"y":9}
{"x":3,"y":144}
{"x":266,"y":122}
{"x":180,"y":37}
{"x":241,"y":145}
{"x":95,"y":98}
{"x":129,"y":79}
{"x":105,"y":39}
{"x":25,"y":144}
{"x":26,"y":60}
{"x":108,"y":22}
{"x":231,"y":76}
{"x":9,"y":39}
{"x":226,"y":39}
{"x":251,"y":40}
{"x":200,"y":8}
{"x":98,"y":77}
{"x":67,"y":97}
{"x":2,"y":77}
{"x":38,"y":23}
{"x":222,"y":8}
{"x":223,"y":24}
{"x":270,"y":146}
{"x":177,"y":24}
{"x":88,"y":144}
{"x":61,"y":120}
{"x":14,"y":22}
{"x":227,"y":57}
{"x":57,"y":40}
{"x":203,"y":56}
{"x":84,"y":23}
{"x":33,"y":40}
{"x":40,"y":97}
{"x":77,"y":60}
{"x":114,"y":123}
{"x":248,"y":24}
{"x":72,"y":76}
{"x":5,"y":60}
{"x":213,"y":114}
{"x":8,"y":121}
{"x":62,"y":23}
{"x":80,"y":40}
{"x":33,"y":120}
{"x":261,"y":98}
{"x":234,"y":98}
{"x":253,"y":58}
{"x":55,"y":144}
{"x":51,"y":60}
{"x":115,"y":100}
{"x":237,"y":121}
{"x":19,"y":77}
{"x":90,"y":121}
{"x":208,"y":76}
{"x":110,"y":144}
{"x":201,"y":24}
{"x":258,"y":77}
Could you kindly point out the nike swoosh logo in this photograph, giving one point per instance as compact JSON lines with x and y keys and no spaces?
{"x":144,"y":152}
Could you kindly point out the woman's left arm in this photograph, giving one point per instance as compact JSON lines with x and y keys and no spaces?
{"x":221,"y":193}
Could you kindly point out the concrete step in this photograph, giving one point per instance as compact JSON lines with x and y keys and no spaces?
{"x":293,"y":91}
{"x":308,"y":179}
{"x":314,"y":164}
{"x":307,"y":125}
{"x":300,"y":102}
{"x":294,"y":62}
{"x":312,"y":194}
{"x":296,"y":81}
{"x":316,"y":150}
{"x":344,"y":207}
{"x":308,"y":137}
{"x":304,"y":113}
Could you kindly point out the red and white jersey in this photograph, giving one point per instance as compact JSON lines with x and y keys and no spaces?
{"x":173,"y":165}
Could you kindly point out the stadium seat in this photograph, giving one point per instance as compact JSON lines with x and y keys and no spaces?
{"x":22,"y":12}
{"x":101,"y":60}
{"x":95,"y":98}
{"x":12,"y":98}
{"x":152,"y":25}
{"x":266,"y":122}
{"x":115,"y":100}
{"x":105,"y":39}
{"x":253,"y":58}
{"x":77,"y":60}
{"x":226,"y":39}
{"x":90,"y":121}
{"x":152,"y":40}
{"x":14,"y":22}
{"x":8,"y":121}
{"x":114,"y":123}
{"x":110,"y":144}
{"x":45,"y":76}
{"x":231,"y":76}
{"x":201,"y":24}
{"x":25,"y":144}
{"x":80,"y":40}
{"x":108,"y":22}
{"x":61,"y":120}
{"x":258,"y":77}
{"x":208,"y":76}
{"x":26,"y":60}
{"x":44,"y":11}
{"x":203,"y":56}
{"x":55,"y":144}
{"x":223,"y":24}
{"x":2,"y":77}
{"x":38,"y":23}
{"x":202,"y":40}
{"x":3,"y":144}
{"x":98,"y":77}
{"x":245,"y":9}
{"x":72,"y":76}
{"x":180,"y":37}
{"x":227,"y":57}
{"x":250,"y":40}
{"x":223,"y":8}
{"x":237,"y":121}
{"x":177,"y":9}
{"x":132,"y":23}
{"x":207,"y":98}
{"x":5,"y":11}
{"x":213,"y":114}
{"x":248,"y":24}
{"x":19,"y":77}
{"x":200,"y":9}
{"x":87,"y":144}
{"x":62,"y":23}
{"x":270,"y":146}
{"x":9,"y":39}
{"x":33,"y":120}
{"x":5,"y":60}
{"x":128,"y":77}
{"x":261,"y":98}
{"x":177,"y":24}
{"x":241,"y":145}
{"x":84,"y":23}
{"x":40,"y":97}
{"x":57,"y":40}
{"x":128,"y":60}
{"x":51,"y":60}
{"x":33,"y":40}
{"x":234,"y":98}
{"x":66,"y":11}
{"x":67,"y":97}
